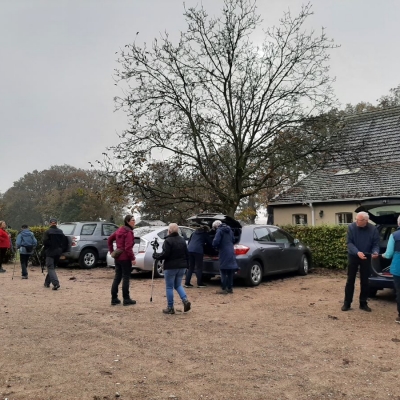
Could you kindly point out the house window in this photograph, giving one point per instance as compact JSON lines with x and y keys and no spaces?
{"x":344,"y":218}
{"x":299,"y":219}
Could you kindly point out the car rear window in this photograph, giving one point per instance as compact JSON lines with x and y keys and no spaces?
{"x":68,"y":229}
{"x":262,"y":234}
{"x":88,"y":229}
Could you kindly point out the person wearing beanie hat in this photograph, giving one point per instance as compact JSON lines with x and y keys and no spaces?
{"x":55,"y":243}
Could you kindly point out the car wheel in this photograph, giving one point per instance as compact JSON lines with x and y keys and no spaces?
{"x":304,"y":265}
{"x":254,"y":276}
{"x":88,"y":258}
{"x":158,"y":268}
{"x":372,"y":292}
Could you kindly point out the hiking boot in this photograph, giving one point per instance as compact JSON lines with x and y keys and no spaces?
{"x":46,"y":285}
{"x":188,"y":285}
{"x":230,"y":291}
{"x":186,"y":305}
{"x":201,"y":285}
{"x":345,"y":307}
{"x":115,"y":301}
{"x":398,"y":319}
{"x":222,"y":291}
{"x":129,"y":302}
{"x":365,"y":307}
{"x":169,"y":310}
{"x":24,"y":277}
{"x":2,"y":270}
{"x":56,"y":287}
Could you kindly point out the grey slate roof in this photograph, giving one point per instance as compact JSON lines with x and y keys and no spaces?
{"x":373,"y":142}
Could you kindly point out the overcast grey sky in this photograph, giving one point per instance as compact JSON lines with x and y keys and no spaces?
{"x":58,"y":57}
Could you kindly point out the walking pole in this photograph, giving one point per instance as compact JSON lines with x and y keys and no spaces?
{"x":40,"y":263}
{"x":155,"y":245}
{"x":15,"y":261}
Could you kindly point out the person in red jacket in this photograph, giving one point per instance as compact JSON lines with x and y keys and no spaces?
{"x":124,"y":239}
{"x":5,"y":244}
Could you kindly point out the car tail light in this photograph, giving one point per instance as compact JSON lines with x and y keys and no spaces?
{"x":143,"y":245}
{"x":75,"y":240}
{"x":240,"y":249}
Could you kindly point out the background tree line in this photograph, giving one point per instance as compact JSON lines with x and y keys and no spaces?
{"x":64,"y":192}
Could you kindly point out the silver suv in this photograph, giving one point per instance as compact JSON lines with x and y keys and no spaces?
{"x":87,"y":240}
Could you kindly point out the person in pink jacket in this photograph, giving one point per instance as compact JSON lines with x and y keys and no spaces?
{"x":5,"y":244}
{"x":124,"y":239}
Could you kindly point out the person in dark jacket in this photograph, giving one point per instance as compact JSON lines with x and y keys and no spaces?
{"x":125,"y":240}
{"x":224,"y":241}
{"x":26,"y":243}
{"x":176,"y":260}
{"x":200,"y":237}
{"x":55,"y":243}
{"x":5,"y":244}
{"x":362,"y":244}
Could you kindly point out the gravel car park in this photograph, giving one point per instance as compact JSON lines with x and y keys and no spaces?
{"x":143,"y":250}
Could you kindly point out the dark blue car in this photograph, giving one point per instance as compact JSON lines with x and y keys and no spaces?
{"x":260,"y":250}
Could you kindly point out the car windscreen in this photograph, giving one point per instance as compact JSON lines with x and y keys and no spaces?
{"x":68,"y":229}
{"x":138,"y":232}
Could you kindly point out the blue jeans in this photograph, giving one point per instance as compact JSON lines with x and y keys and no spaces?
{"x":173,"y":280}
{"x":396,"y":281}
{"x":227,"y":278}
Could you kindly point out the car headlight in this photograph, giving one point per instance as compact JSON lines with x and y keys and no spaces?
{"x":143,"y":245}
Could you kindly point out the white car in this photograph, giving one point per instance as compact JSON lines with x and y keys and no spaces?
{"x":143,"y":249}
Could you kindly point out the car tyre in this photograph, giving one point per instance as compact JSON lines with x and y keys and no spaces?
{"x":304,"y":266}
{"x":255,"y":274}
{"x":88,"y":258}
{"x":158,"y":268}
{"x":372,"y":292}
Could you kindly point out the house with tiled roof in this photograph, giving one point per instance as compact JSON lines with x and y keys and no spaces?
{"x":367,"y":173}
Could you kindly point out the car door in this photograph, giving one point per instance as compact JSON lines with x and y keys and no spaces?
{"x":267,"y":249}
{"x":107,"y":229}
{"x":289,"y":253}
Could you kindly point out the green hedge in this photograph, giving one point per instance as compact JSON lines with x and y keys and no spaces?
{"x":327,"y":243}
{"x":38,"y":232}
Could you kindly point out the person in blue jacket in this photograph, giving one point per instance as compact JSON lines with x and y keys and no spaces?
{"x":362,"y":244}
{"x":26,"y":243}
{"x":223,"y":241}
{"x":200,"y":237}
{"x":393,"y":250}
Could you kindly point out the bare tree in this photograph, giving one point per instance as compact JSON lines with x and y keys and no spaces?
{"x":220,"y":107}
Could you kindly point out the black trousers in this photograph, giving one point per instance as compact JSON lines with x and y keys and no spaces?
{"x":123,"y":271}
{"x":3,"y":252}
{"x":365,"y":271}
{"x":195,"y":265}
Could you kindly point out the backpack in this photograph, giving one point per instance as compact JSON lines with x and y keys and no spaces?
{"x":28,"y":247}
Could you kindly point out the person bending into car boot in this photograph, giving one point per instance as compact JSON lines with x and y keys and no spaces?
{"x":124,"y":239}
{"x":200,"y":237}
{"x":176,"y":260}
{"x":393,"y":250}
{"x":362,"y":244}
{"x":26,"y":243}
{"x":224,"y":241}
{"x":55,"y":243}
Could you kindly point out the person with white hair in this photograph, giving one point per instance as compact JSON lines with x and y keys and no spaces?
{"x":393,"y":250}
{"x":176,"y":261}
{"x":224,"y":241}
{"x":362,"y":244}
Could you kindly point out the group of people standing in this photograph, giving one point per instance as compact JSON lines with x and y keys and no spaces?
{"x":54,"y":244}
{"x":363,"y":246}
{"x":178,"y":259}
